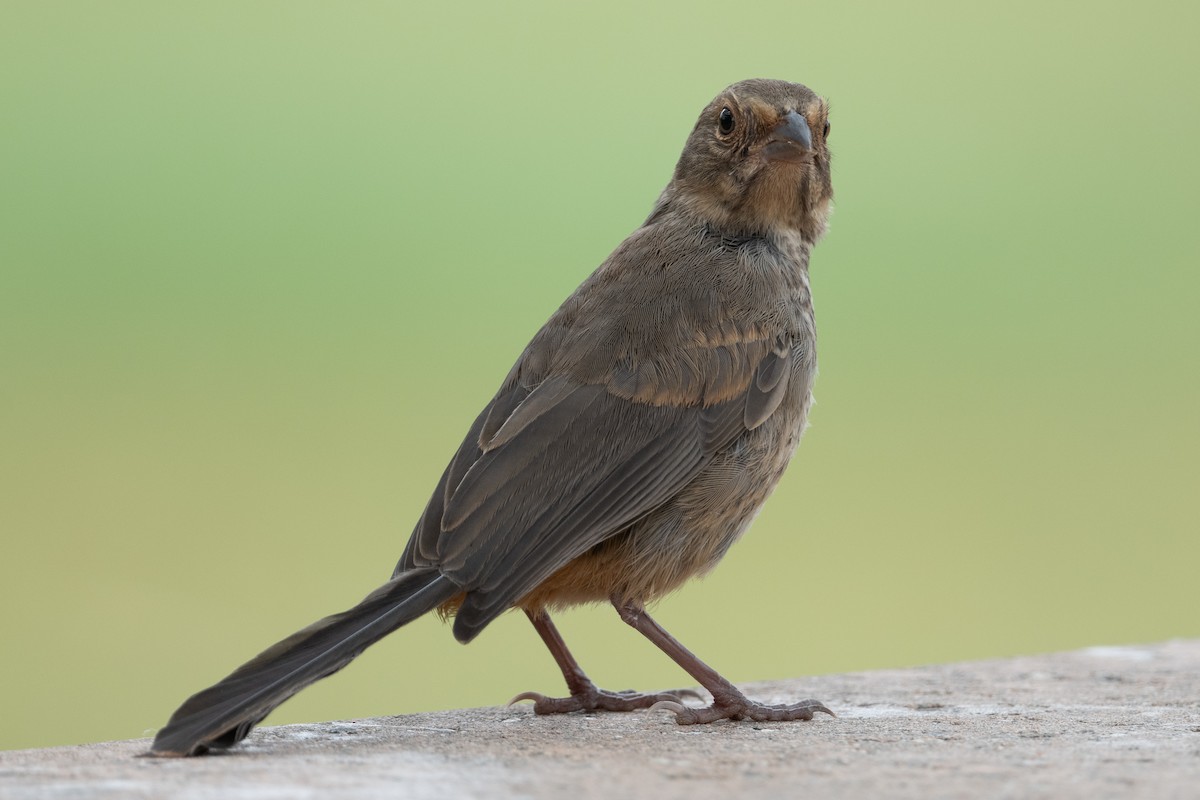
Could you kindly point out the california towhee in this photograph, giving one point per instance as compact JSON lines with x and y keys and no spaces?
{"x":632,"y":443}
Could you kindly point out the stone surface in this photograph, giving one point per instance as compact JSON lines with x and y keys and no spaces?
{"x":1101,"y":722}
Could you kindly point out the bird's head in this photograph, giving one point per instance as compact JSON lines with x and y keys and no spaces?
{"x":757,"y":162}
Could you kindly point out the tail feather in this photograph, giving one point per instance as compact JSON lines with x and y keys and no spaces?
{"x":223,"y":714}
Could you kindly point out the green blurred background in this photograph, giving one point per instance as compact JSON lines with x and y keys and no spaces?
{"x":261,"y":263}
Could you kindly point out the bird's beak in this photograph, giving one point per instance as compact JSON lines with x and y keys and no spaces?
{"x":790,"y":140}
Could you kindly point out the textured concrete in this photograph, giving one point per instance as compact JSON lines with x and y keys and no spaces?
{"x":1102,"y":722}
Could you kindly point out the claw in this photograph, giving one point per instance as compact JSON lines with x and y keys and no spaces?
{"x":536,"y":697}
{"x":816,"y":706}
{"x":667,"y":705}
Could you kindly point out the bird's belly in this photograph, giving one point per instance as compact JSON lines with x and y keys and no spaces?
{"x":688,"y":535}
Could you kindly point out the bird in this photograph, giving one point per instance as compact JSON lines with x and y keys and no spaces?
{"x":631,"y":444}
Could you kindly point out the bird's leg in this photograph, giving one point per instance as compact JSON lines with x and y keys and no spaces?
{"x":728,"y":702}
{"x":584,"y":694}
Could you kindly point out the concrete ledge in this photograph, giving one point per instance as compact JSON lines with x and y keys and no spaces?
{"x":1101,"y":722}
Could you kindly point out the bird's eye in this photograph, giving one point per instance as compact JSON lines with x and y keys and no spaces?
{"x":825,"y":136}
{"x":725,"y":122}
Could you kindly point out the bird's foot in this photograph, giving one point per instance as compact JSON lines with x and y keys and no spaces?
{"x":590,"y":698}
{"x":736,"y":706}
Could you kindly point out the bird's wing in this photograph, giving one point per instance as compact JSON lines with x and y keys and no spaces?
{"x":549,"y":471}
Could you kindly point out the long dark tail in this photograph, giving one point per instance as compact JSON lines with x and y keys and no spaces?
{"x":222,"y":715}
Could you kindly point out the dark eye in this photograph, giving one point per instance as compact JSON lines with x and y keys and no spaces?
{"x":725,"y":122}
{"x":826,"y":136}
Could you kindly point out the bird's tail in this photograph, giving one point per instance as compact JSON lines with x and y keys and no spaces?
{"x":222,"y":715}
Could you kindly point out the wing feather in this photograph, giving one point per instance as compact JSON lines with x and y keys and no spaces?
{"x":552,"y":469}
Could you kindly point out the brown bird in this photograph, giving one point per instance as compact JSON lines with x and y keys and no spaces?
{"x":633,"y":441}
